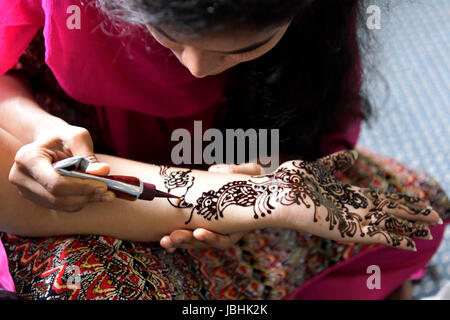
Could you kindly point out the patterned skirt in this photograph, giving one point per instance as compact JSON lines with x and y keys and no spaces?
{"x":265,"y":264}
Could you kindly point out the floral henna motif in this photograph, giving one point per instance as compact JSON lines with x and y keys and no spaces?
{"x":391,"y":238}
{"x":305,"y":184}
{"x":338,"y":161}
{"x":287,"y":186}
{"x":392,"y":201}
{"x":175,"y":180}
{"x":396,"y":225}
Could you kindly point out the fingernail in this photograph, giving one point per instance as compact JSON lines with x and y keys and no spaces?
{"x":95,"y":166}
{"x":197,"y":234}
{"x":355,"y":154}
{"x":99,"y":190}
{"x":107,"y":197}
{"x":440,"y":221}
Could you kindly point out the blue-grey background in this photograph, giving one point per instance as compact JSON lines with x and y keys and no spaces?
{"x":414,"y":117}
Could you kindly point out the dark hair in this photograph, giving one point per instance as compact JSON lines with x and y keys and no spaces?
{"x":304,"y":86}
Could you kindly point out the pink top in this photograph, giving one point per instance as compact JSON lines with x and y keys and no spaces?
{"x":142,"y":92}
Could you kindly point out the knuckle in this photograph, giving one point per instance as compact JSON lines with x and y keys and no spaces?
{"x":52,"y":187}
{"x":82,"y":134}
{"x":23,"y":153}
{"x":54,"y":201}
{"x":12,"y":176}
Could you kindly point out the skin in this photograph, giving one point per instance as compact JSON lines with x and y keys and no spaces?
{"x":309,"y":185}
{"x":204,"y":56}
{"x":213,"y":54}
{"x":292,"y":206}
{"x":210,"y":55}
{"x":31,"y":172}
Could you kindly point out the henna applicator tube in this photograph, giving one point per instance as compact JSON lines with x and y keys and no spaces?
{"x":124,"y":187}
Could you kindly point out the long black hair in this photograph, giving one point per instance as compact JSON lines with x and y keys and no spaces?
{"x":304,"y":86}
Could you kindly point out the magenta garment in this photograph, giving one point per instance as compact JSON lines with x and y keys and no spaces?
{"x":6,"y":282}
{"x":395,"y":267}
{"x":141,"y":91}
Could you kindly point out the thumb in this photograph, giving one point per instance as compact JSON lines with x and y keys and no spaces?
{"x":95,"y":165}
{"x":339,"y":161}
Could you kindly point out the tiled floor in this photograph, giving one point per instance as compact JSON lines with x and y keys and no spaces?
{"x":414,"y":120}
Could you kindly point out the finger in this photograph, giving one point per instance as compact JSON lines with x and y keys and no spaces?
{"x":81,"y":145}
{"x":36,"y":165}
{"x":402,"y":205}
{"x":244,"y":168}
{"x":97,"y":167}
{"x":377,"y":235}
{"x":398,"y":225}
{"x":69,"y":203}
{"x":107,"y":196}
{"x":217,"y":240}
{"x":339,"y":161}
{"x":184,"y":239}
{"x":167,"y":244}
{"x":32,"y":190}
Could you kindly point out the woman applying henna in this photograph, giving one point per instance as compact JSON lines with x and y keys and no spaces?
{"x":344,"y":211}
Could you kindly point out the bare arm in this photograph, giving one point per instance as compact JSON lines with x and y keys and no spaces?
{"x":138,"y":220}
{"x":20,"y":115}
{"x":150,"y":220}
{"x":22,"y":120}
{"x":299,"y":195}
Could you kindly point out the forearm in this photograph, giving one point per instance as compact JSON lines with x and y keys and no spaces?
{"x":20,"y":114}
{"x":150,"y":220}
{"x":136,"y":220}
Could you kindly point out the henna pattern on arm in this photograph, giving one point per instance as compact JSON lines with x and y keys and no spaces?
{"x":175,"y":180}
{"x":305,"y":184}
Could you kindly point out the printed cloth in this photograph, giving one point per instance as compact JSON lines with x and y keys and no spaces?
{"x":265,"y":264}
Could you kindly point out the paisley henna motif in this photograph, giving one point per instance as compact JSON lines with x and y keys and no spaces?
{"x":308,"y":184}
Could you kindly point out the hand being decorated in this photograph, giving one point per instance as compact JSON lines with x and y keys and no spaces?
{"x":343,"y":212}
{"x":305,"y":196}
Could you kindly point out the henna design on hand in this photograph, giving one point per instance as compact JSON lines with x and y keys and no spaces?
{"x":309,"y":184}
{"x":392,"y":201}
